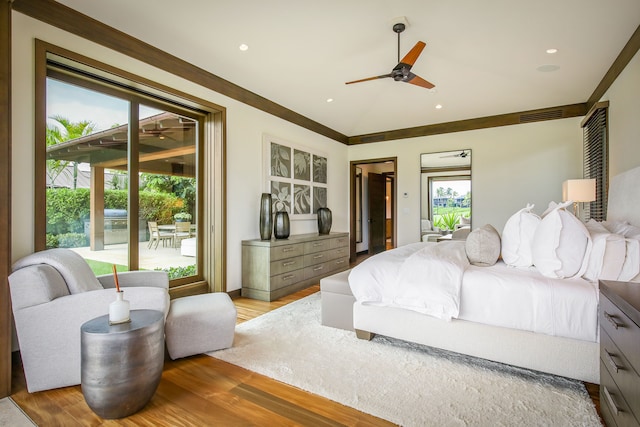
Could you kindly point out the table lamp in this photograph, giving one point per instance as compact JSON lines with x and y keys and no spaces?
{"x":578,"y":191}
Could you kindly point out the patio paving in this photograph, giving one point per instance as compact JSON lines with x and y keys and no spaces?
{"x":150,"y":259}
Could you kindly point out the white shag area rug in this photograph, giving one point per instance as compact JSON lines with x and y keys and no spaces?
{"x":406,"y":384}
{"x":12,"y":415}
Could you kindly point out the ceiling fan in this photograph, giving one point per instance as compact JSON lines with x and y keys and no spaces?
{"x":401,"y":72}
{"x":462,"y":154}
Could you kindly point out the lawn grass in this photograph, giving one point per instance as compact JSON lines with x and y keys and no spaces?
{"x":100,"y":267}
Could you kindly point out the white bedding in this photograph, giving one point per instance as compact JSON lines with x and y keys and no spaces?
{"x":404,"y":269}
{"x":524,"y":299}
{"x":498,"y":295}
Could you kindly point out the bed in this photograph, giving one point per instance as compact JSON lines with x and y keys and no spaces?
{"x":516,"y":316}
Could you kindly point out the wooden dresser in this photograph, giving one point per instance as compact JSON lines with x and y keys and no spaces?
{"x":274,"y":268}
{"x":620,"y":353}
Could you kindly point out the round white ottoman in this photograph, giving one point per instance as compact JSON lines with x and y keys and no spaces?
{"x":199,"y":324}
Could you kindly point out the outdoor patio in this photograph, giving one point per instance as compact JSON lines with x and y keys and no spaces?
{"x":162,"y":257}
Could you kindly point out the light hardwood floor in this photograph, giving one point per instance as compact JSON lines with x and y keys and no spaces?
{"x":204,"y":391}
{"x":201,"y":391}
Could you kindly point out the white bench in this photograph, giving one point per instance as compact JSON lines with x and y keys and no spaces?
{"x":337,"y":301}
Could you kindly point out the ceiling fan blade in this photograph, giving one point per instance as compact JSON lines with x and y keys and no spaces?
{"x":411,"y":57}
{"x":369,"y":78}
{"x":419,"y":81}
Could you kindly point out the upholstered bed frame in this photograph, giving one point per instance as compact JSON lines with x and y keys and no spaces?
{"x":556,"y":355}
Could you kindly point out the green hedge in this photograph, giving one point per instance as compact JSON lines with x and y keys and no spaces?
{"x":68,"y":210}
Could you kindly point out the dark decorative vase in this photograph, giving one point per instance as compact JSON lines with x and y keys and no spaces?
{"x":266,"y":217}
{"x":281,"y":225}
{"x":324,"y":220}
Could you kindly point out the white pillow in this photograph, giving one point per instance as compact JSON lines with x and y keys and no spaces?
{"x":482,"y":246}
{"x":517,"y":237}
{"x":560,"y":244}
{"x":608,"y":253}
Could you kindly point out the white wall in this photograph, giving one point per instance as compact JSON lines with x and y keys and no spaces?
{"x":511,"y":166}
{"x":245,"y":127}
{"x":624,"y":116}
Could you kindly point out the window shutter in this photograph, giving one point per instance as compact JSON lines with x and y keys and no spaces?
{"x":596,"y":160}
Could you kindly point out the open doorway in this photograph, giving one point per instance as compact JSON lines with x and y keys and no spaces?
{"x":372,"y":206}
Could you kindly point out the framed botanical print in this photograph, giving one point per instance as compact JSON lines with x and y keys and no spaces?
{"x":296,"y":176}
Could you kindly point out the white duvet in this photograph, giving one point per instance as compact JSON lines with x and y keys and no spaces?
{"x":436,"y":279}
{"x":398,"y":278}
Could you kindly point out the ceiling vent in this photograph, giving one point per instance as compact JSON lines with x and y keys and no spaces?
{"x":539,"y":116}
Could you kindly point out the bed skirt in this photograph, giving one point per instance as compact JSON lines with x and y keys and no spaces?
{"x":555,"y":355}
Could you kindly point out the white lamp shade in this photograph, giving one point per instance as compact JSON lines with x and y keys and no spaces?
{"x":579,"y":190}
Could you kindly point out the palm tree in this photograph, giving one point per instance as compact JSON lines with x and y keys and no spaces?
{"x":61,"y":131}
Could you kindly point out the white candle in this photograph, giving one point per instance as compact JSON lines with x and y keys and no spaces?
{"x":119,"y":309}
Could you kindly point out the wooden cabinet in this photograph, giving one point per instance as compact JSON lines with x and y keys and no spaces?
{"x":619,"y":318}
{"x":274,"y":268}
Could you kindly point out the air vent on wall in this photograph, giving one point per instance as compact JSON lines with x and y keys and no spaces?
{"x":539,"y":116}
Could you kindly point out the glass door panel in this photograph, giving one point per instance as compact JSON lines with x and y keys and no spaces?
{"x":168,"y":192}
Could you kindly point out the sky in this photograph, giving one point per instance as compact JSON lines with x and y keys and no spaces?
{"x":78,"y":104}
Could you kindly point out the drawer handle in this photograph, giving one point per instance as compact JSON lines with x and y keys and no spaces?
{"x":318,"y":256}
{"x":288,"y":263}
{"x":318,"y":268}
{"x":612,"y":402}
{"x":290,"y":276}
{"x":612,"y":362}
{"x":289,"y":249}
{"x":613,"y":321}
{"x":340,"y":262}
{"x":318,"y":244}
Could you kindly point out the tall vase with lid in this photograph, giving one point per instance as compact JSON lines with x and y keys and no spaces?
{"x":266,"y":217}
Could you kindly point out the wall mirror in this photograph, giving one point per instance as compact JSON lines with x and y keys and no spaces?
{"x":445,"y":193}
{"x":358,"y":205}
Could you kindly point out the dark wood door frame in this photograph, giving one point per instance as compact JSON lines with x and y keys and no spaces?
{"x":5,"y":196}
{"x":352,"y":200}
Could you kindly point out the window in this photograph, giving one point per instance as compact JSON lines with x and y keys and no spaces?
{"x":122,"y":173}
{"x":596,"y":159}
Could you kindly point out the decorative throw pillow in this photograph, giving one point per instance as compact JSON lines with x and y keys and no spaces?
{"x":607,"y":255}
{"x":483,"y":246}
{"x":560,"y":244}
{"x":517,"y":237}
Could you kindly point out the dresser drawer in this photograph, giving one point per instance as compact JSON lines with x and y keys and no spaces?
{"x":317,"y":258}
{"x":614,"y":408}
{"x":620,"y":370}
{"x":286,"y":251}
{"x":317,"y":270}
{"x":339,"y":242}
{"x":317,"y":246}
{"x":286,"y":279}
{"x":286,"y":265}
{"x":340,"y":252}
{"x":622,"y":331}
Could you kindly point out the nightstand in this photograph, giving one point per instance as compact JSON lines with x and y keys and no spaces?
{"x":619,"y":316}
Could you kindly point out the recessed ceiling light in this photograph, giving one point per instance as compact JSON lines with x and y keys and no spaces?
{"x":438,"y":107}
{"x":548,"y":68}
{"x":329,"y":99}
{"x":243,"y":47}
{"x":552,"y":50}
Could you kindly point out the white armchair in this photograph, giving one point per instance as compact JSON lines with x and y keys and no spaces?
{"x":53,"y":293}
{"x":428,"y":232}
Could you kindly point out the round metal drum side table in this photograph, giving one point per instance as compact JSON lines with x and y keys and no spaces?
{"x":121,"y":364}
